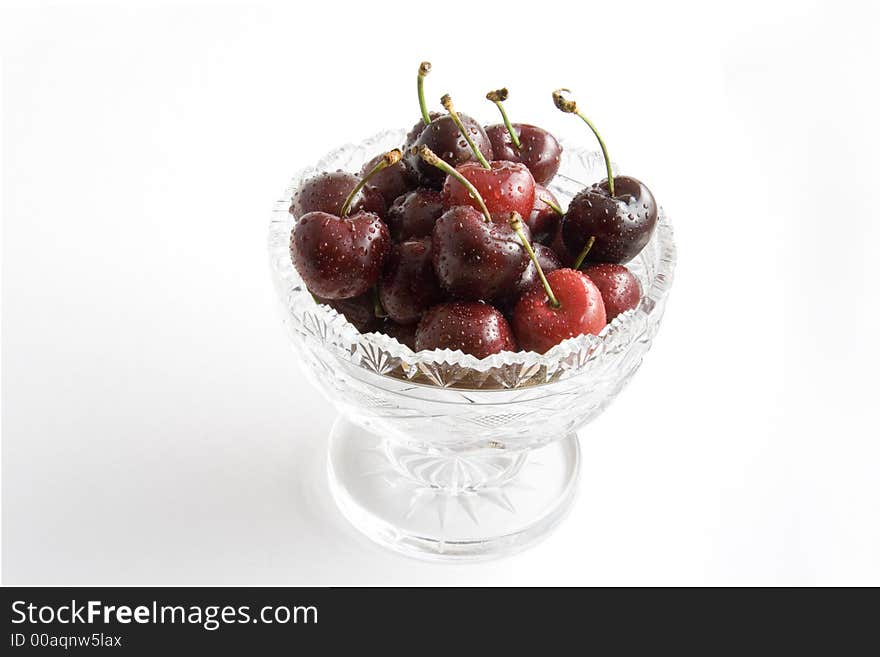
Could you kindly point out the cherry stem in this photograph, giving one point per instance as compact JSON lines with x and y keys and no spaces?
{"x":517,"y":225}
{"x":431,"y":158}
{"x":553,"y":207}
{"x":424,"y":69}
{"x":447,"y":104}
{"x":390,"y":158}
{"x":498,"y":97}
{"x":570,"y":107}
{"x":583,"y":255}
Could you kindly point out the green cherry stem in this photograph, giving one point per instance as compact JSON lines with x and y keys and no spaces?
{"x":447,"y":104}
{"x":390,"y":158}
{"x":516,"y":224}
{"x":498,"y":97}
{"x":583,"y":254}
{"x":553,"y":206}
{"x":431,"y":158}
{"x":570,"y":107}
{"x":424,"y":69}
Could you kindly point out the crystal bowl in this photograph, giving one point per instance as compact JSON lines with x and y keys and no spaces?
{"x":441,"y":455}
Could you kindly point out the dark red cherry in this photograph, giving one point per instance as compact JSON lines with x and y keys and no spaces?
{"x":360,"y":311}
{"x":614,"y":218}
{"x":413,"y":135}
{"x":560,"y":249}
{"x":476,"y":259}
{"x":620,"y":289}
{"x":543,"y":220}
{"x":539,"y":326}
{"x":339,"y":258}
{"x":505,"y":187}
{"x":622,"y":224}
{"x":529,"y":278}
{"x":414,"y":214}
{"x":326,"y":192}
{"x":539,"y":150}
{"x":403,"y":333}
{"x":444,"y":138}
{"x":390,"y":182}
{"x":527,"y":144}
{"x":475,"y":328}
{"x":409,"y":286}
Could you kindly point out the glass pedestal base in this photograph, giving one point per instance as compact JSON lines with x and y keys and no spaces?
{"x":450,"y":505}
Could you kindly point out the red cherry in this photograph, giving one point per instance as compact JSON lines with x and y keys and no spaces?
{"x":477,"y":255}
{"x":544,"y":218}
{"x":505,"y":187}
{"x":339,"y":257}
{"x":475,"y":328}
{"x":390,"y":182}
{"x":476,"y":259}
{"x":327,"y":192}
{"x":409,"y":286}
{"x":414,"y":214}
{"x":620,"y":289}
{"x":612,"y":220}
{"x":443,"y":136}
{"x":529,"y":278}
{"x":521,"y":142}
{"x":539,"y":326}
{"x":413,"y":135}
{"x":559,"y":248}
{"x":538,"y":150}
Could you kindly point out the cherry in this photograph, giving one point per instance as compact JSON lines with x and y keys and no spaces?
{"x":619,"y":212}
{"x":527,"y":144}
{"x":403,"y":333}
{"x":413,"y":135}
{"x":391,"y":181}
{"x":475,"y":328}
{"x":360,"y":311}
{"x":621,"y":221}
{"x":341,"y":256}
{"x":476,"y":259}
{"x":545,"y":216}
{"x":529,"y":278}
{"x":457,"y":138}
{"x":620,"y":289}
{"x":409,"y":286}
{"x":476,"y":256}
{"x":443,"y":136}
{"x":546,"y":258}
{"x":560,"y":249}
{"x":540,"y":326}
{"x":327,"y":192}
{"x":505,"y":187}
{"x":414,"y":214}
{"x":567,"y":305}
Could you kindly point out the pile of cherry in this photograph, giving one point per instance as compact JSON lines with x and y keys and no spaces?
{"x":455,"y":242}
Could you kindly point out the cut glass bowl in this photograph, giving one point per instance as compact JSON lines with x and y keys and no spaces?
{"x":441,"y":455}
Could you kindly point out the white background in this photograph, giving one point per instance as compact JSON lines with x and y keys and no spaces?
{"x":156,"y":428}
